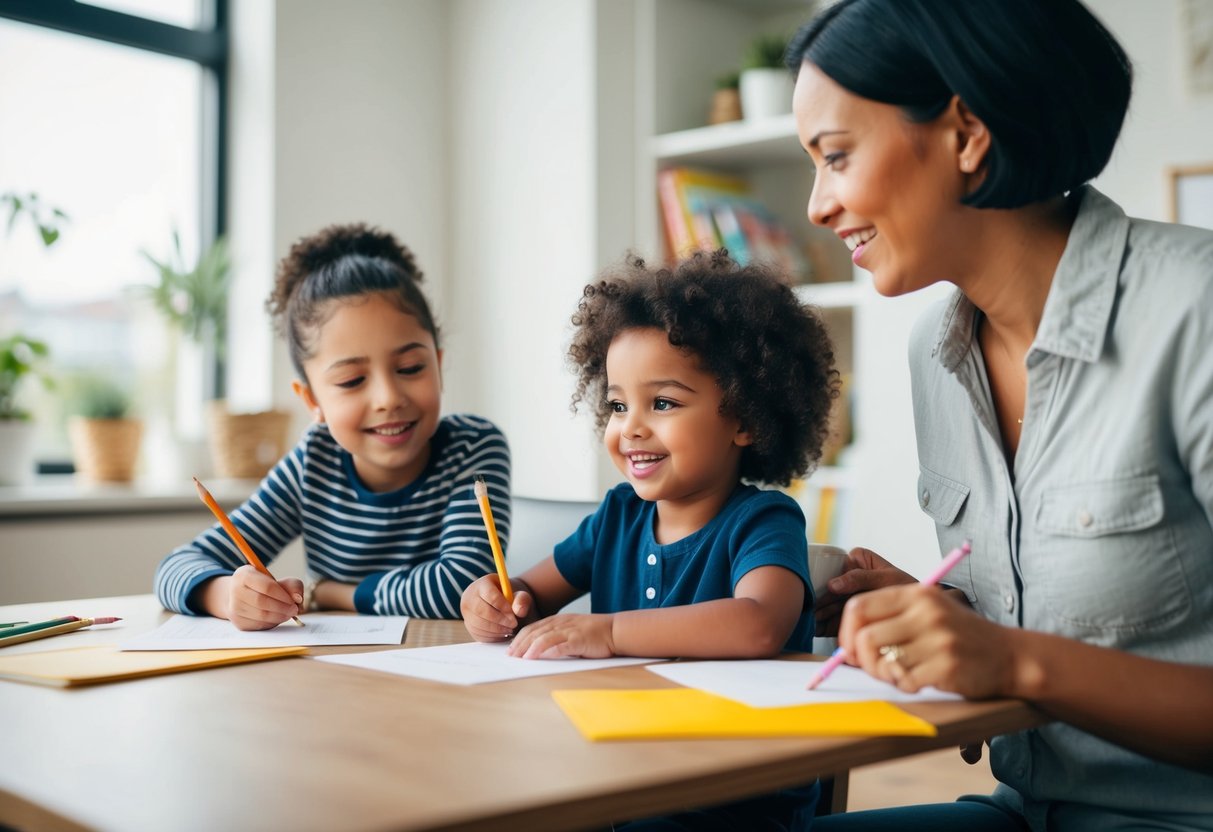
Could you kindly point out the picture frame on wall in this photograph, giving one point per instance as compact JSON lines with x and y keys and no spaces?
{"x":1191,"y":189}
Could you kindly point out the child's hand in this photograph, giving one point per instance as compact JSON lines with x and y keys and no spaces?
{"x":256,"y":601}
{"x":487,"y":614}
{"x":864,"y":571}
{"x":570,"y":634}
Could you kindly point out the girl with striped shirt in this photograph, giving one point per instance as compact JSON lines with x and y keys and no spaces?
{"x":380,"y":487}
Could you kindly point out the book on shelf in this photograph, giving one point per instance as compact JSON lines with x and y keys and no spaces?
{"x":825,"y":510}
{"x":704,"y":210}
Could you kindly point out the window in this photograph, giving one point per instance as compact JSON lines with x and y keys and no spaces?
{"x":116,"y":120}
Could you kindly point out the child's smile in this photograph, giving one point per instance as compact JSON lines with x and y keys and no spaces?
{"x":374,"y":378}
{"x":666,"y":433}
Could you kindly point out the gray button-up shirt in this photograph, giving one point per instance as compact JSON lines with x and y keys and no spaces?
{"x":1102,"y":529}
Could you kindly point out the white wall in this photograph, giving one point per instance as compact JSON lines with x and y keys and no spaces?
{"x":344,"y":119}
{"x":1167,"y":124}
{"x":523,"y":230}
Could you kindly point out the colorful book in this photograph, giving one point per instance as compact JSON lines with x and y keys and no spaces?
{"x":704,"y":211}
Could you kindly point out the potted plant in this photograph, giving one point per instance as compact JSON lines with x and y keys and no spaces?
{"x":194,"y":299}
{"x":21,"y":357}
{"x":726,"y":102}
{"x":105,"y":439}
{"x":766,"y":84}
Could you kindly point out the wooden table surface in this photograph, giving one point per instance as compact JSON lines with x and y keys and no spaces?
{"x":294,"y":744}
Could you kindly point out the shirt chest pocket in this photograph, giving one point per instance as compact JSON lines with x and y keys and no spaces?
{"x":942,"y":499}
{"x":1109,"y":560}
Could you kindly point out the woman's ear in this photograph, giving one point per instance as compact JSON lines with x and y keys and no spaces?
{"x":972,"y":136}
{"x":309,"y":401}
{"x":438,"y":353}
{"x":742,"y":438}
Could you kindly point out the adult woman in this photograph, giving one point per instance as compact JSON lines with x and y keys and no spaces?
{"x":1063,"y":402}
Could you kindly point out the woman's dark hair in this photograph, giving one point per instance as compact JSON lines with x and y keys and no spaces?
{"x":1045,"y":76}
{"x":342,"y":261}
{"x":769,"y":353}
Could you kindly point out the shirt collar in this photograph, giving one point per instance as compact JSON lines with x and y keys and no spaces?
{"x":1075,"y":319}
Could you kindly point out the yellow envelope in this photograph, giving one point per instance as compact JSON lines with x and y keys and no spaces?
{"x":89,"y":665}
{"x":687,"y":713}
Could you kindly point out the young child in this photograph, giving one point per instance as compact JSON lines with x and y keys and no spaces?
{"x":380,"y":487}
{"x":700,"y":377}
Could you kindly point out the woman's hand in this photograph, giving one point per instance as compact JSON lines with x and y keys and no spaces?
{"x":915,"y":636}
{"x":252,"y":600}
{"x":863,"y":571}
{"x":569,"y":634}
{"x":486,"y":613}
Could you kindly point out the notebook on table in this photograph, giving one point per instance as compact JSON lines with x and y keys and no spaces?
{"x":91,"y":665}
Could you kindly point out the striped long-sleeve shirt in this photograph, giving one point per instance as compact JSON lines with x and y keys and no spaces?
{"x":410,"y":552}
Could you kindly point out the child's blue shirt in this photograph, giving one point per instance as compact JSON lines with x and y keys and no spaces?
{"x":615,"y":557}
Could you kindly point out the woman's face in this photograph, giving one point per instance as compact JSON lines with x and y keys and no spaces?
{"x":889,"y":188}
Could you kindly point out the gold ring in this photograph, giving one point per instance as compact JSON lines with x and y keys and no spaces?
{"x":892,"y":653}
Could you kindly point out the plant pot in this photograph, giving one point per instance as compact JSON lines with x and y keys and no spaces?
{"x":16,"y":451}
{"x":765,"y":93}
{"x":246,"y":445}
{"x":105,"y":450}
{"x":726,"y":106}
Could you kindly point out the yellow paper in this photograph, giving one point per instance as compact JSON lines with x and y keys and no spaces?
{"x":686,"y":713}
{"x":89,"y":665}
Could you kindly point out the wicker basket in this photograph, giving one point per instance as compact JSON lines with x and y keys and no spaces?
{"x":105,"y":450}
{"x":246,"y":445}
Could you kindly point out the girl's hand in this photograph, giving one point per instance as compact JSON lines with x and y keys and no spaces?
{"x":930,"y":638}
{"x":487,"y":614}
{"x":863,"y":571}
{"x":568,"y":634}
{"x":255,"y":601}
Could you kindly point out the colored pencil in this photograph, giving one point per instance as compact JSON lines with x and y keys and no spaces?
{"x":38,"y":625}
{"x":11,"y":624}
{"x":486,"y":511}
{"x":66,"y":627}
{"x":839,"y":656}
{"x":235,"y":535}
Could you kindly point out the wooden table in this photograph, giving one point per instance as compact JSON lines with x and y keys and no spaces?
{"x":294,"y":744}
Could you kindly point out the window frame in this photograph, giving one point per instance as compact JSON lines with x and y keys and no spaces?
{"x":208,"y":47}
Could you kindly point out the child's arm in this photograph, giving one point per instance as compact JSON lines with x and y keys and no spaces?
{"x":538,"y":592}
{"x":755,"y":623}
{"x":433,"y":588}
{"x":200,"y":578}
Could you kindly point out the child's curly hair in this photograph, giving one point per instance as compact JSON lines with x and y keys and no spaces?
{"x":770,"y":353}
{"x":342,"y":261}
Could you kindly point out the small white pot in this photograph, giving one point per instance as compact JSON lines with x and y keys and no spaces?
{"x":16,"y":451}
{"x":765,"y":93}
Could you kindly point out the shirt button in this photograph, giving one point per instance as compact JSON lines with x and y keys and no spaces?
{"x":650,"y":593}
{"x":1085,"y":519}
{"x":1009,"y":603}
{"x":925,"y":499}
{"x":652,"y":559}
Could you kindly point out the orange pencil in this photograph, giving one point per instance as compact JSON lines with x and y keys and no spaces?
{"x":482,"y":497}
{"x":235,"y":535}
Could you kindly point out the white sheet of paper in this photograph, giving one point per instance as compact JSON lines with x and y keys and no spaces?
{"x":767,"y":683}
{"x":190,"y":632}
{"x":472,"y":663}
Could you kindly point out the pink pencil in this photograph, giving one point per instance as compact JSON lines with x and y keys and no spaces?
{"x":945,"y":566}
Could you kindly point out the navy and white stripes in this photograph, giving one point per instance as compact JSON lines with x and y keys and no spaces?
{"x":411,"y":552}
